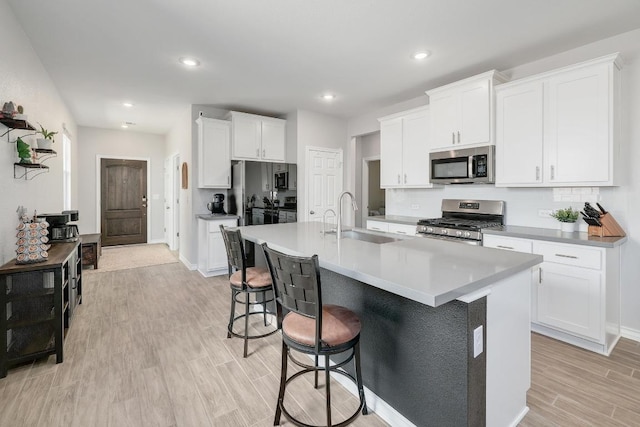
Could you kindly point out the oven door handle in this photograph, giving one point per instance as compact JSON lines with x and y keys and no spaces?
{"x":471,"y":167}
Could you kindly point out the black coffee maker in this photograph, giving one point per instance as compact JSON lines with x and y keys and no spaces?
{"x":59,"y":229}
{"x":217,"y":206}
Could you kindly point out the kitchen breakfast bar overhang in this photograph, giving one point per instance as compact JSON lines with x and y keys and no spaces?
{"x":445,"y":327}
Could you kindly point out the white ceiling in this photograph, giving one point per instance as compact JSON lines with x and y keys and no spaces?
{"x":275,"y":56}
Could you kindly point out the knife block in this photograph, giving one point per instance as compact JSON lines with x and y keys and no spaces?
{"x":610,"y":227}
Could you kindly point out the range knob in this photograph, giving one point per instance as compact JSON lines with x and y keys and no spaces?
{"x":459,"y":233}
{"x":429,"y":229}
{"x":444,"y":231}
{"x":467,"y":234}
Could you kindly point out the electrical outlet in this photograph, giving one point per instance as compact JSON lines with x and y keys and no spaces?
{"x":415,"y":207}
{"x":478,"y":344}
{"x":545,"y":213}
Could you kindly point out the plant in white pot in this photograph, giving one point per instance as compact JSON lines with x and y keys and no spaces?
{"x":47,"y":138}
{"x":567,"y":218}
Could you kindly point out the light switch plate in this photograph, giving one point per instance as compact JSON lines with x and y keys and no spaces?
{"x":478,"y":344}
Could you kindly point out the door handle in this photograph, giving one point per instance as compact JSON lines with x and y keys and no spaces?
{"x":144,"y":206}
{"x":311,"y":212}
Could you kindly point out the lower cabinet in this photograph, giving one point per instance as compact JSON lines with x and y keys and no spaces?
{"x":212,"y":255}
{"x":575,"y":291}
{"x":391,"y":227}
{"x":37,"y":302}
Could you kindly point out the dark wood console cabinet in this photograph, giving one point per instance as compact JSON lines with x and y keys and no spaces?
{"x":36,"y":305}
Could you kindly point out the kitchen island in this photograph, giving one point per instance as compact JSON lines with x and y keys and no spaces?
{"x":445,"y":338}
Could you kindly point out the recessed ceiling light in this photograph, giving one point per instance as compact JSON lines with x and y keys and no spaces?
{"x":328,"y":97}
{"x":421,"y":55}
{"x":189,"y":62}
{"x":127,"y":104}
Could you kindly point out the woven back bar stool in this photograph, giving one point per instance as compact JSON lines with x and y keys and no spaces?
{"x":245,"y":281}
{"x":310,"y":327}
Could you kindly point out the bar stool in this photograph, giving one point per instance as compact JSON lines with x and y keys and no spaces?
{"x":247,"y":281}
{"x":312,"y":328}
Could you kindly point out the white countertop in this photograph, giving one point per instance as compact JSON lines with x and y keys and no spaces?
{"x":216,"y":217}
{"x":554,"y":235}
{"x":429,"y":271}
{"x":396,"y":219}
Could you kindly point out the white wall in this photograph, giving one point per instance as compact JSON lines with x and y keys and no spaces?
{"x":25,"y":81}
{"x":317,"y":130}
{"x":124,"y":144}
{"x":523,"y":204}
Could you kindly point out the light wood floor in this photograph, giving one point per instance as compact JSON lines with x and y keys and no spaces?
{"x":148,"y":347}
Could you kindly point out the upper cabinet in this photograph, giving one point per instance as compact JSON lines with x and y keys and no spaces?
{"x":462,"y":112}
{"x":560,"y":128}
{"x":404,"y":149}
{"x":214,"y":158}
{"x":257,"y":137}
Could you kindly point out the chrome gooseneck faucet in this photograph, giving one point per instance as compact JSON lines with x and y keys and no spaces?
{"x":353,"y":204}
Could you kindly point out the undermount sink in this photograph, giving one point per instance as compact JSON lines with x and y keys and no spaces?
{"x":368,"y":237}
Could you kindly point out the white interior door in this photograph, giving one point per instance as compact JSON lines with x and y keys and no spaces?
{"x":324,"y":181}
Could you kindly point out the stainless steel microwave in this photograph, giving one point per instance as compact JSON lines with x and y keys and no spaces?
{"x":464,"y":166}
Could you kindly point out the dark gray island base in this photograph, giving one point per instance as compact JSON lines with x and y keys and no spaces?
{"x":445,"y":327}
{"x":418,"y":359}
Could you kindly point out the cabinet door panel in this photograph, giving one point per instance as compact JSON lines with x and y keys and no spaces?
{"x":246,"y":137}
{"x":475,"y":116}
{"x":445,"y":115}
{"x":579,"y":127}
{"x":214,"y":160}
{"x":415,"y":150}
{"x":569,"y":298}
{"x":273,"y":140}
{"x":519,"y":135}
{"x":391,"y":153}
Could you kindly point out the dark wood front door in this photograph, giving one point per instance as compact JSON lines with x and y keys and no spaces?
{"x":124,"y":201}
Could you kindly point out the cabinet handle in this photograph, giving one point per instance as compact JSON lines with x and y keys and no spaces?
{"x":453,"y":138}
{"x":458,"y":137}
{"x":228,"y":179}
{"x":398,"y":178}
{"x":540,"y":275}
{"x":553,"y":172}
{"x":401,"y":232}
{"x":567,"y":256}
{"x":504,"y":247}
{"x":375,"y":228}
{"x":537,"y":173}
{"x":263,"y":153}
{"x":405,"y":178}
{"x":257,"y":152}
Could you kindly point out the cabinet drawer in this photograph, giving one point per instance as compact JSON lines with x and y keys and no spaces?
{"x":507,"y":243}
{"x":214,"y":226}
{"x":407,"y":230}
{"x":377,"y":225}
{"x":569,"y":254}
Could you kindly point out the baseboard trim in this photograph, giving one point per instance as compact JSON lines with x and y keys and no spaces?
{"x":520,"y":417}
{"x":187,"y":263}
{"x":155,"y":241}
{"x":632,"y":334}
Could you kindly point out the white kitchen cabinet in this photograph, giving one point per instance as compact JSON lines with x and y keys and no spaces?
{"x":405,"y":229}
{"x":212,"y":254}
{"x":293,"y":177}
{"x":257,"y":137}
{"x":462,"y":112}
{"x":575,"y":292}
{"x":560,"y":128}
{"x":404,"y":149}
{"x":279,"y":167}
{"x":377,"y":225}
{"x":214,"y":159}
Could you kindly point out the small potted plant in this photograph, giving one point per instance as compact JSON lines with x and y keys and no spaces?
{"x":47,"y":138}
{"x":567,"y":218}
{"x":24,"y":151}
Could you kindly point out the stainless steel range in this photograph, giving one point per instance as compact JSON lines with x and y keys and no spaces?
{"x":463,"y":220}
